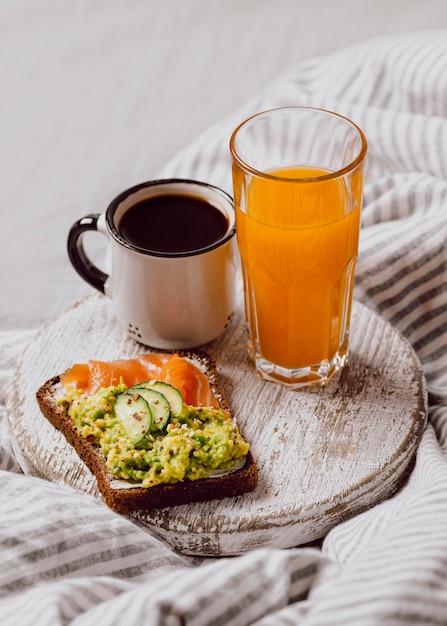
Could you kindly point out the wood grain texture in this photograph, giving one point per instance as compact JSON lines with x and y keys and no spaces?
{"x":323,"y":454}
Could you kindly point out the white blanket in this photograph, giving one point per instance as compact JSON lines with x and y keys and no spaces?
{"x":67,"y":559}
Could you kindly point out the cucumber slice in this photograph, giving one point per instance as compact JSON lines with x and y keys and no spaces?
{"x":171,"y":393}
{"x":135,"y":414}
{"x":158,"y":404}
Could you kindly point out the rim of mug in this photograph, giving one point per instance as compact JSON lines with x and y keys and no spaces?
{"x":311,"y":179}
{"x":119,"y":199}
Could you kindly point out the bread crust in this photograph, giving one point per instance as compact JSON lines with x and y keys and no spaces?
{"x":127,"y":500}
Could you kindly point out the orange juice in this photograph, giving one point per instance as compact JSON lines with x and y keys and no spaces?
{"x":298,"y":241}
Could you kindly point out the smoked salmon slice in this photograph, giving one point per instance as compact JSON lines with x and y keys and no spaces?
{"x":192,"y":383}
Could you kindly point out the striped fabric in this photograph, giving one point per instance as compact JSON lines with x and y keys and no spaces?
{"x":66,"y":559}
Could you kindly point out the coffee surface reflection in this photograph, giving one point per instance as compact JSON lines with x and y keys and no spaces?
{"x":173,"y":224}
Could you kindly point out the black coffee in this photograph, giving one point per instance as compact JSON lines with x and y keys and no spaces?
{"x":173,"y":223}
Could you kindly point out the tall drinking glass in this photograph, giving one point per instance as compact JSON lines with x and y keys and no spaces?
{"x":298,"y":183}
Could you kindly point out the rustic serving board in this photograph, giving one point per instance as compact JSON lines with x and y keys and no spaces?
{"x":324,"y":454}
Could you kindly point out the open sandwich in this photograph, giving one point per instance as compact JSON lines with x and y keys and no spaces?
{"x":154,"y":430}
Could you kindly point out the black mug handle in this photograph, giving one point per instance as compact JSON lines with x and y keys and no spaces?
{"x":79,"y":259}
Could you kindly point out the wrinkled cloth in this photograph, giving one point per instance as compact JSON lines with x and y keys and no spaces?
{"x":66,"y":559}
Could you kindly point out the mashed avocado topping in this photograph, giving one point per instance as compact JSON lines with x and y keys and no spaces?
{"x":193,"y":444}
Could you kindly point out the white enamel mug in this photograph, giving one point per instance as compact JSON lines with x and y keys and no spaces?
{"x":167,"y":300}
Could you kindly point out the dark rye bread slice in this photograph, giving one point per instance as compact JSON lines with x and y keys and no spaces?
{"x":134,"y":498}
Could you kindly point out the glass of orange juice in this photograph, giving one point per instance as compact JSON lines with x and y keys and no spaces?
{"x":298,"y":184}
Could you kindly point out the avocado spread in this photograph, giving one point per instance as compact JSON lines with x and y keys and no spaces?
{"x":195,"y":443}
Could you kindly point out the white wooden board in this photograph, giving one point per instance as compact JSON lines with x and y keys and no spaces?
{"x":324,"y":454}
